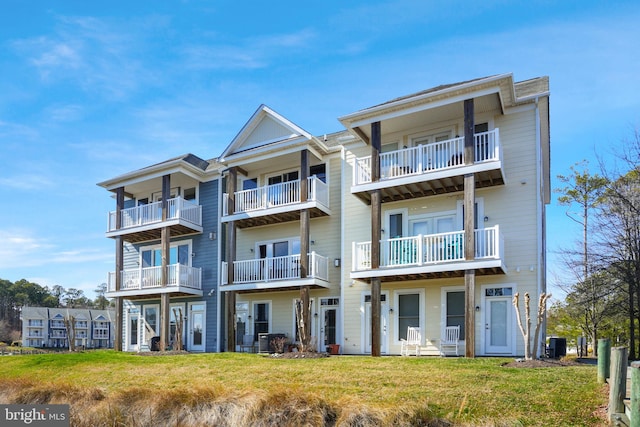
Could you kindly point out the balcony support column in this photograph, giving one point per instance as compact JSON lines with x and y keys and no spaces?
{"x":304,"y":323}
{"x":469,"y":231}
{"x":376,"y":226}
{"x":230,"y":254}
{"x":117,"y":342}
{"x":165,"y":242}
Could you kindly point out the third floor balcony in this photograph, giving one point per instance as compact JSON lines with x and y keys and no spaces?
{"x":144,"y":222}
{"x":276,"y":203}
{"x":430,"y":169}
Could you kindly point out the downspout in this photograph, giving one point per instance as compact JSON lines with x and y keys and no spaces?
{"x":219,"y":269}
{"x":539,"y":225}
{"x":342,"y":244}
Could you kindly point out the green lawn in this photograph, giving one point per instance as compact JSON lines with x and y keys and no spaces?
{"x":115,"y":388}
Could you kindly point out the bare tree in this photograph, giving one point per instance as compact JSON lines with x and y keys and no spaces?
{"x":70,"y":325}
{"x":530,"y":351}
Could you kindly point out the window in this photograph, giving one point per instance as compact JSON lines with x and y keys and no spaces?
{"x":260,"y":319}
{"x":250,"y":184}
{"x":285,"y":177}
{"x":320,"y":171}
{"x":408,"y":313}
{"x":190,"y":193}
{"x":455,"y":310}
{"x":395,"y":225}
{"x":177,"y":255}
{"x":498,"y":292}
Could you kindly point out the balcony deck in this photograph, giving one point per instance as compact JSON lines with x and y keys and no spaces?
{"x":144,"y":223}
{"x":276,"y":203}
{"x":430,"y":256}
{"x":145,"y":282}
{"x":276,"y":273}
{"x":431,"y":169}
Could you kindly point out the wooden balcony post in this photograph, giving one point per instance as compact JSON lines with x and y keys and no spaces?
{"x":230,"y":254}
{"x":376,"y":226}
{"x":117,"y":342}
{"x":305,"y":337}
{"x":469,"y":231}
{"x":165,"y":242}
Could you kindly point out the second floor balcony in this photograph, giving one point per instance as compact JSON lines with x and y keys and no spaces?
{"x":276,"y":273}
{"x":430,"y":256}
{"x":140,"y":282}
{"x":276,"y":203}
{"x":144,"y":222}
{"x":430,"y":169}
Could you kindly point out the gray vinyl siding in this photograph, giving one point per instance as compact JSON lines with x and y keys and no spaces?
{"x":206,"y":251}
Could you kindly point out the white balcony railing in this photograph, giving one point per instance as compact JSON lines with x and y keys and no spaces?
{"x":275,"y":195}
{"x":177,"y":208}
{"x":151,"y":277}
{"x":276,"y":268}
{"x":428,"y":158}
{"x":429,"y":249}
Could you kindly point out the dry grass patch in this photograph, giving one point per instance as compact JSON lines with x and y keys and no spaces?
{"x":110,"y":388}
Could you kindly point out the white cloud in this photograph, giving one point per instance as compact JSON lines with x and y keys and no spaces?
{"x":22,"y":248}
{"x":27,"y":182}
{"x":252,"y":53}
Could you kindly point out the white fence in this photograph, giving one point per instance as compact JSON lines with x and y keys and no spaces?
{"x":428,"y":158}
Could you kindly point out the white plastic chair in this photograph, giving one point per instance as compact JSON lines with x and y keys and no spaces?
{"x":414,"y":340}
{"x":450,"y":340}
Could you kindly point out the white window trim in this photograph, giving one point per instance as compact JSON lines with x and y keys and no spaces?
{"x":251,"y":313}
{"x":289,"y":240}
{"x":175,"y":244}
{"x":387,"y":225}
{"x":514,"y":322}
{"x":396,"y":312}
{"x":460,"y":219}
{"x":431,"y":135}
{"x":433,"y":215}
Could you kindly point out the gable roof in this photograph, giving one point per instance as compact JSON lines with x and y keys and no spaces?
{"x":189,"y":164}
{"x":268,"y":129}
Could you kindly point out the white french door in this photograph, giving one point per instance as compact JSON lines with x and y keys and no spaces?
{"x":498,"y":325}
{"x":197,"y":326}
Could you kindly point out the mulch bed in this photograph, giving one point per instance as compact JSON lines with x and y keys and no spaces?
{"x":543,"y":363}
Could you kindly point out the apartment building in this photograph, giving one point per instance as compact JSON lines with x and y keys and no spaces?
{"x":425,"y":212}
{"x":165,"y":228}
{"x":48,"y":327}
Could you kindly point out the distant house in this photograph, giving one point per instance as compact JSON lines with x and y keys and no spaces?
{"x":426,"y":211}
{"x":46,"y":327}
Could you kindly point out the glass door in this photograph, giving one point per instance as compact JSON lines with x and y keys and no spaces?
{"x":498,"y":325}
{"x":196,"y":327}
{"x":132,"y":330}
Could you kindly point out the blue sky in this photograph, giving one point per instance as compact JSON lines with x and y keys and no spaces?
{"x":90,"y":90}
